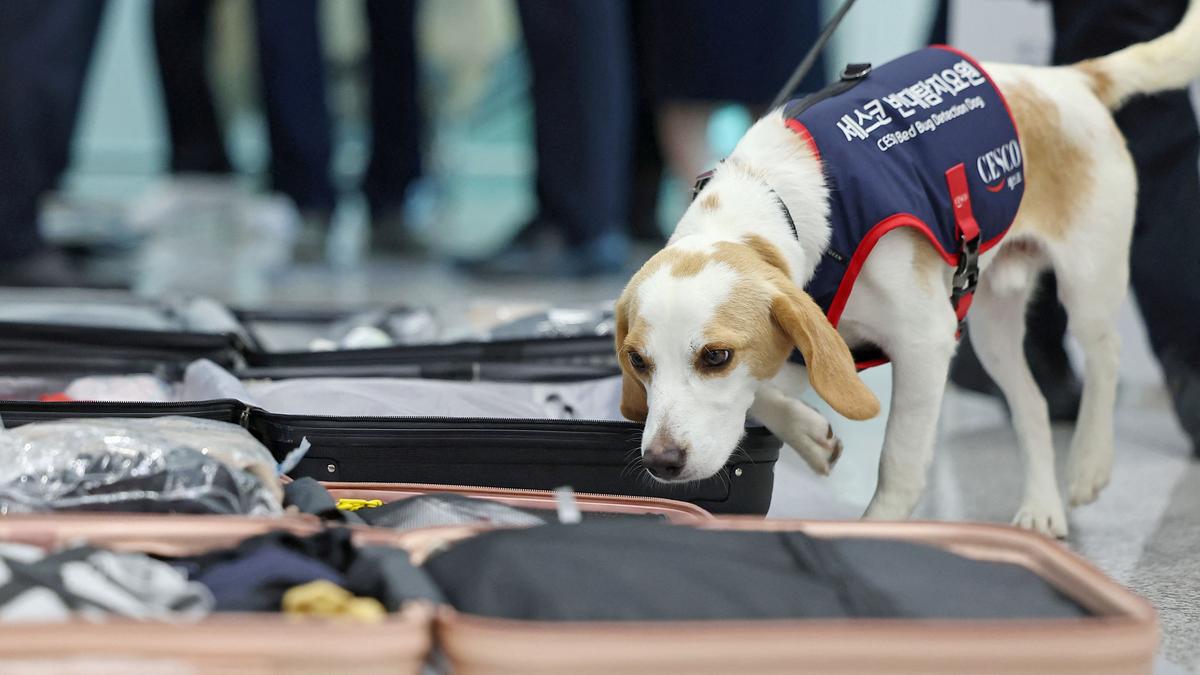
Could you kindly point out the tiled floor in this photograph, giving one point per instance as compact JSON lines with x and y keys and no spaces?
{"x":1144,"y":530}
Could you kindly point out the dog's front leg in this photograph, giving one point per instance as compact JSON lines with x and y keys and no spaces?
{"x":799,"y":426}
{"x":919,"y":370}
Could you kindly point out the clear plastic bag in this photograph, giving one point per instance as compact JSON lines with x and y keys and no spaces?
{"x":172,"y":464}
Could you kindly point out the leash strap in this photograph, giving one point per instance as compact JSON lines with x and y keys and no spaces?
{"x":810,"y":59}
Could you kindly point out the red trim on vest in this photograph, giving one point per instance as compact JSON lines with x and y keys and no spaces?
{"x":798,"y":127}
{"x":859,"y":258}
{"x":863,"y":365}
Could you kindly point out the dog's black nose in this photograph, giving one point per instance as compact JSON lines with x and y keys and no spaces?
{"x":665,"y":461}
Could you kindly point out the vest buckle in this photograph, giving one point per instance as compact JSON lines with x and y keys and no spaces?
{"x":966,"y":274}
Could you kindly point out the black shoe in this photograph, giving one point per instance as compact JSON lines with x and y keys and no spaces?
{"x":1057,"y":380}
{"x":1052,"y":372}
{"x":967,"y":372}
{"x":1182,"y":373}
{"x":47,"y":268}
{"x":311,"y":243}
{"x":391,"y":236}
{"x":605,"y":255}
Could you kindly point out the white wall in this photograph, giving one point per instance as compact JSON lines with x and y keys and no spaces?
{"x":876,"y":31}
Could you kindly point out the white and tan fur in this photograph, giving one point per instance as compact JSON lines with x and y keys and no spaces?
{"x":730,"y":279}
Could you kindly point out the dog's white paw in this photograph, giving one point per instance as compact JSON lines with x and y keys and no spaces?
{"x":1045,"y":515}
{"x":820,"y":450}
{"x":1088,"y":475}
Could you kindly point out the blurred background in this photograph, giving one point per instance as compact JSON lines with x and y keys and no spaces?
{"x":334,"y":150}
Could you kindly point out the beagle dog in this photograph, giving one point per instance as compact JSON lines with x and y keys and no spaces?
{"x":706,"y":329}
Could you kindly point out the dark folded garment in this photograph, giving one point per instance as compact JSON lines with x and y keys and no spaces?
{"x":254,"y":575}
{"x":622,"y":570}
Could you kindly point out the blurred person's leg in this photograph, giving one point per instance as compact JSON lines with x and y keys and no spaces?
{"x":396,"y":119}
{"x":579,"y":54}
{"x":45,"y":51}
{"x":293,"y":84}
{"x":702,"y":54}
{"x":181,"y":38}
{"x":646,"y":179}
{"x":1046,"y":325}
{"x":1165,"y":142}
{"x":939,"y":30}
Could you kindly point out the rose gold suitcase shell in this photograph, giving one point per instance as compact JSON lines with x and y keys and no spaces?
{"x":1120,"y":639}
{"x":674,"y":511}
{"x":223,"y":643}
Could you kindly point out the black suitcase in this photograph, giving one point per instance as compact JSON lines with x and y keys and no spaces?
{"x":589,"y":456}
{"x":250,"y":347}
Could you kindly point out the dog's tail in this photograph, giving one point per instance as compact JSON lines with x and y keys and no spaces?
{"x":1171,"y":61}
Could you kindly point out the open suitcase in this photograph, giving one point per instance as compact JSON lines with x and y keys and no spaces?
{"x":98,"y":327}
{"x":1117,"y":636}
{"x":249,"y":643}
{"x":592,"y":456}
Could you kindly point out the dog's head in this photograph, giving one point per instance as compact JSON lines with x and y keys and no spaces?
{"x":699,"y":330}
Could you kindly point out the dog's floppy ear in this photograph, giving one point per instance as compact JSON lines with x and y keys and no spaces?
{"x":831,"y":368}
{"x":633,"y":393}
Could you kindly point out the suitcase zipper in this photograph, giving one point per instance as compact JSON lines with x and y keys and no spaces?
{"x":529,"y":492}
{"x":545,"y":422}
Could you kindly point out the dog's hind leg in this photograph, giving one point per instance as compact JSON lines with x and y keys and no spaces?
{"x":1092,"y":295}
{"x":997,"y":326}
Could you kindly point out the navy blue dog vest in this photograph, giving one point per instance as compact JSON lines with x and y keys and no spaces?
{"x":925,"y":141}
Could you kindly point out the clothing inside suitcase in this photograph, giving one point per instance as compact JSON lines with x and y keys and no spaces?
{"x":260,"y":573}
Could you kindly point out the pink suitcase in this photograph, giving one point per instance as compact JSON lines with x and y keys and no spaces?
{"x":674,"y":511}
{"x":254,"y":644}
{"x":1120,"y":639}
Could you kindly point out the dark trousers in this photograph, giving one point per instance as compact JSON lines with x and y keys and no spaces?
{"x":1165,"y":143}
{"x":396,"y":120}
{"x":580,"y":57}
{"x":181,"y":36}
{"x":292,"y":75}
{"x":45,"y":50}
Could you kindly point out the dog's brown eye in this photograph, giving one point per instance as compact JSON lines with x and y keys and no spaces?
{"x":636,"y":360}
{"x":714,"y":358}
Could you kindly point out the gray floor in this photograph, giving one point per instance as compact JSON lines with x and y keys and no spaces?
{"x":1144,"y":530}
